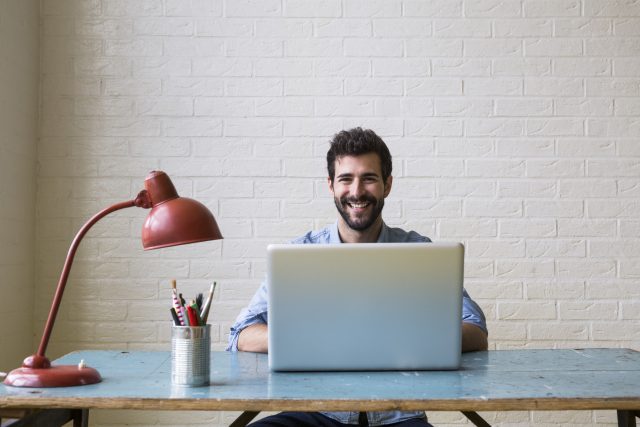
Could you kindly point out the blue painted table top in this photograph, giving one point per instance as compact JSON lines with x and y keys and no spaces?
{"x":494,"y":380}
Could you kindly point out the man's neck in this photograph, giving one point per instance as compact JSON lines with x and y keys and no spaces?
{"x":349,"y":235}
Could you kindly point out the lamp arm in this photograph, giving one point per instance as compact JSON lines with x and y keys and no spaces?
{"x":143,"y":201}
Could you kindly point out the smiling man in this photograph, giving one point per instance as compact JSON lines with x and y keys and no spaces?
{"x":359,"y":167}
{"x":359,"y":189}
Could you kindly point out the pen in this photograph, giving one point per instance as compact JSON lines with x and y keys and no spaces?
{"x":194,"y":306}
{"x":193,"y":320}
{"x":176,"y":320}
{"x":199,"y":298}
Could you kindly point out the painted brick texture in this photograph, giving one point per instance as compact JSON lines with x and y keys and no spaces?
{"x":19,"y":79}
{"x":514,"y":126}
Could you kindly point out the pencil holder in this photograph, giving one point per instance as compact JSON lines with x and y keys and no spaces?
{"x":190,"y":349}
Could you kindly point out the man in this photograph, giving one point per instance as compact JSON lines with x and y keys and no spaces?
{"x":359,"y":166}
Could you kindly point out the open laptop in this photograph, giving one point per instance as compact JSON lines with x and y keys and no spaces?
{"x":379,"y":306}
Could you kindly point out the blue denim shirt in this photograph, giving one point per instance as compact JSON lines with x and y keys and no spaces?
{"x":256,"y":312}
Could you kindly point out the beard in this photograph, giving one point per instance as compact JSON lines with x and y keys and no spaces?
{"x":362,"y":221}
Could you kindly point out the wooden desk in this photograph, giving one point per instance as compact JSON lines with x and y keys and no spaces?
{"x":488,"y":381}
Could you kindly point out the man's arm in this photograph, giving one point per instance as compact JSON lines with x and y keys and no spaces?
{"x":254,"y":338}
{"x":473,"y":338}
{"x":254,"y":314}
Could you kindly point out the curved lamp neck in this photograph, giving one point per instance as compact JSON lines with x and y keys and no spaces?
{"x":140,"y":201}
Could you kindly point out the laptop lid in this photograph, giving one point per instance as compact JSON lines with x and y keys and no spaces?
{"x":379,"y":306}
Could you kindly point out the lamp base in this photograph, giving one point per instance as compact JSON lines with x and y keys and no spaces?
{"x":54,"y":376}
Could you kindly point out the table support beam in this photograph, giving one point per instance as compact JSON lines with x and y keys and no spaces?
{"x":476,"y":419}
{"x":52,"y":418}
{"x":244,"y":419}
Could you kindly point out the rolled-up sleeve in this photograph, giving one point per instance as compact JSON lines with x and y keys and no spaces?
{"x":472,"y":313}
{"x":255,"y":312}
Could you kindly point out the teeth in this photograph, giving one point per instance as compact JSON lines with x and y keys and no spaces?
{"x":359,"y":205}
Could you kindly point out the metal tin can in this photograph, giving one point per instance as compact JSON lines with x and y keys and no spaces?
{"x":190,"y":355}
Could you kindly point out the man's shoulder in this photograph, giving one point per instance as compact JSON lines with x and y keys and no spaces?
{"x":314,"y":236}
{"x":399,"y":235}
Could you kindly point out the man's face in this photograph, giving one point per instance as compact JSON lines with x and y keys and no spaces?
{"x":358,"y":189}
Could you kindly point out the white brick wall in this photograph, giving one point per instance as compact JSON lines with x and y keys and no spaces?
{"x":514,"y":128}
{"x":19,"y":76}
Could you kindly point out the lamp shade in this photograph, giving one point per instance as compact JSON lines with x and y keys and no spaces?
{"x":175,"y":220}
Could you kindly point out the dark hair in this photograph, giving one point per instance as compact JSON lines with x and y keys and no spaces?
{"x":355,"y":142}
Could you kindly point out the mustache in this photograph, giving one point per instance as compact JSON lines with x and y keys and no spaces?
{"x":361,"y":199}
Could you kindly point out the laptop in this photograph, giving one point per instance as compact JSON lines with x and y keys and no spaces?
{"x":355,"y":307}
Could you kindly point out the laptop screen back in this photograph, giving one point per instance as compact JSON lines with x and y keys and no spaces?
{"x":380,"y":306}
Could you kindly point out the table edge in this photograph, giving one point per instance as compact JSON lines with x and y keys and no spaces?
{"x":177,"y":404}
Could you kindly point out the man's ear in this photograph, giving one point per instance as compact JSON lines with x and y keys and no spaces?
{"x":387,"y":185}
{"x":330,"y":184}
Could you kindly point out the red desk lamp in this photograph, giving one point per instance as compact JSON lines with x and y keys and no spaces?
{"x":173,"y":220}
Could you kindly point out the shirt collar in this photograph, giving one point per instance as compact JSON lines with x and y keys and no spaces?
{"x":384,"y":234}
{"x":334,"y":235}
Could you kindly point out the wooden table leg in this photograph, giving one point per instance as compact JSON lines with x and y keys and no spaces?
{"x":244,"y":419}
{"x":627,"y":418}
{"x":80,"y":417}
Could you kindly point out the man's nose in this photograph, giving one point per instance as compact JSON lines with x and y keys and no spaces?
{"x":357,"y":189}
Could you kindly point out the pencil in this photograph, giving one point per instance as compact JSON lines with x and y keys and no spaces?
{"x":176,"y":303}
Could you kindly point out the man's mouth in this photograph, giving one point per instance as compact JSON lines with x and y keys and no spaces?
{"x":358,"y":205}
